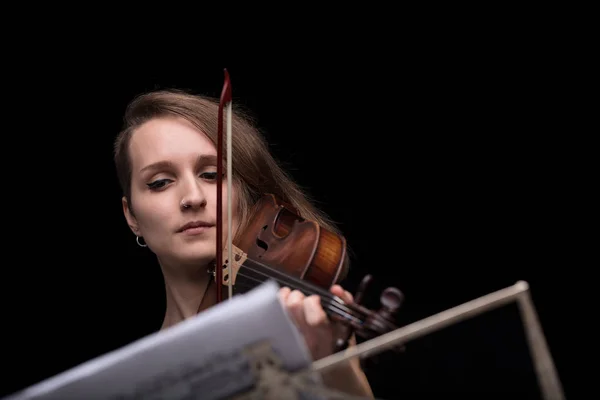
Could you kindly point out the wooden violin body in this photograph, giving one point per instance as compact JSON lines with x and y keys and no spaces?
{"x":279,"y":245}
{"x":278,"y":237}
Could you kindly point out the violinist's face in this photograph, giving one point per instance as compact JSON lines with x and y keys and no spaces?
{"x":174,"y":164}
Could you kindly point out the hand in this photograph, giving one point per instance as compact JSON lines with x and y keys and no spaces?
{"x":319,"y":332}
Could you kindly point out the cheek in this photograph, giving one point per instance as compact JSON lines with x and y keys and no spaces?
{"x":234,"y":199}
{"x":154,"y":214}
{"x":234,"y":208}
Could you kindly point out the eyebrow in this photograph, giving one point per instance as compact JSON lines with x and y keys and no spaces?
{"x":205,"y":159}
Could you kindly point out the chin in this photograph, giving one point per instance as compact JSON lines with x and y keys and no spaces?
{"x":198,"y":256}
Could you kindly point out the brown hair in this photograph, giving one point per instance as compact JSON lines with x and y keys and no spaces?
{"x":255,"y":171}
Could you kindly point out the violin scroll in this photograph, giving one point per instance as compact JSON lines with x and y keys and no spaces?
{"x":376,"y":322}
{"x":391,"y":300}
{"x":383,"y":320}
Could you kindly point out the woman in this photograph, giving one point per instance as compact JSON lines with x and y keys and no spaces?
{"x":166,"y":164}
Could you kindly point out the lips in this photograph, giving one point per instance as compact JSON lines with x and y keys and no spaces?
{"x":195,"y":224}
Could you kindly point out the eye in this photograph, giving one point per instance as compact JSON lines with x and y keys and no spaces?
{"x":158,"y":184}
{"x":209,"y":175}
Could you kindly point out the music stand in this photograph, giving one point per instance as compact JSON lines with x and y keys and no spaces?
{"x":547,"y":377}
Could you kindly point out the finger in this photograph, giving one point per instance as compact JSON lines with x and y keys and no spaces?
{"x":337,"y":290}
{"x":296,"y":308}
{"x":348,"y":297}
{"x":314,"y":313}
{"x":341,"y":293}
{"x":318,"y":333}
{"x":284,"y":292}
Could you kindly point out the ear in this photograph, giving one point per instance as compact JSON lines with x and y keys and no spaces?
{"x":131,"y":220}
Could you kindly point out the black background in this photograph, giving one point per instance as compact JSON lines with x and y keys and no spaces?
{"x":446,"y":166}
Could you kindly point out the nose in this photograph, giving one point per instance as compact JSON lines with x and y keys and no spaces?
{"x":193,"y":196}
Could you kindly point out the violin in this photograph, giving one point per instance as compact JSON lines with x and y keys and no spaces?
{"x":280,"y":245}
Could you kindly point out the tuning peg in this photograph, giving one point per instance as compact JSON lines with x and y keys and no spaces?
{"x":362,"y":288}
{"x":391,"y":300}
{"x":342,"y":342}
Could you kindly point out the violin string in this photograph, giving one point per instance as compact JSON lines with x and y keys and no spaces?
{"x":325,"y":303}
{"x":296,"y":283}
{"x":308,"y":287}
{"x":377,"y":325}
{"x":241,"y":283}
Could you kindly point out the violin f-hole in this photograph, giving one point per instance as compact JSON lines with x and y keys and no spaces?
{"x":261,"y":243}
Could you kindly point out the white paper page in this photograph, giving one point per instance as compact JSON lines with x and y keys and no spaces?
{"x":171,"y":363}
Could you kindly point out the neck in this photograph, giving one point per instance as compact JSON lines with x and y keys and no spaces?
{"x":187,"y":292}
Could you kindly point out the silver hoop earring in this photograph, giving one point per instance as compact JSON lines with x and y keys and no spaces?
{"x":137,"y":239}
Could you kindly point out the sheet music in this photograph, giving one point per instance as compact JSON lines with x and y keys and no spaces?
{"x":198,"y":358}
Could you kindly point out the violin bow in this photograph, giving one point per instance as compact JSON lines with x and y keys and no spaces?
{"x":225,"y":103}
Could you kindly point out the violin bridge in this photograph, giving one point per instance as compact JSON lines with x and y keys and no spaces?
{"x":238,"y":260}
